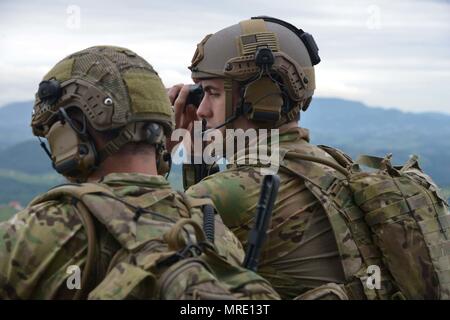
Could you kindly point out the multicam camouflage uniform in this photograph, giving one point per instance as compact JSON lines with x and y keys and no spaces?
{"x":129,"y":233}
{"x":331,"y":225}
{"x":332,"y":220}
{"x":40,"y":243}
{"x":300,"y":252}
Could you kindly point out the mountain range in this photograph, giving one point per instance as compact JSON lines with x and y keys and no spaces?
{"x":351,"y":126}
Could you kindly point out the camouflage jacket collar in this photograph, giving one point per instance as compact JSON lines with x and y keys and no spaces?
{"x":254,"y":149}
{"x":294,"y":134}
{"x":135,"y":179}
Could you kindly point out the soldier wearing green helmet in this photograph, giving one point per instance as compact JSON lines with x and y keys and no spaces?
{"x":105,"y":114}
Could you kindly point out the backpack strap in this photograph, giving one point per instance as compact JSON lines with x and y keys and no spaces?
{"x":328,"y":181}
{"x":341,"y":157}
{"x":322,"y":181}
{"x":89,"y":274}
{"x":208,"y":209}
{"x":75,"y":190}
{"x":77,"y":194}
{"x":195,"y":202}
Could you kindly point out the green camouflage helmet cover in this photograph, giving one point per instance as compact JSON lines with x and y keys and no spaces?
{"x":112,"y":86}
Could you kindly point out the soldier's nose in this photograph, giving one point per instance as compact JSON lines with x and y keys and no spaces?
{"x":204,"y":111}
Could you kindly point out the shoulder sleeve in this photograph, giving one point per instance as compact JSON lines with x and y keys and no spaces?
{"x":36,"y":247}
{"x":234,"y":192}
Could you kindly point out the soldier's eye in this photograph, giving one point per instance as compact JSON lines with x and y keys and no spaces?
{"x":214,"y":93}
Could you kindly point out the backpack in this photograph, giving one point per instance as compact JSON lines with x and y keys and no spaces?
{"x":157,"y":258}
{"x":390,"y":217}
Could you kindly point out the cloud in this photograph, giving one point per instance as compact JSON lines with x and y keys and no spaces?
{"x":386,"y":53}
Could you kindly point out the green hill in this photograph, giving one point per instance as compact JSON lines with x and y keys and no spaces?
{"x":446,"y":192}
{"x":348,"y":125}
{"x":22,"y":187}
{"x":358,"y":129}
{"x":6,"y":213}
{"x":15,"y":123}
{"x":25,"y":169}
{"x":27,"y":157}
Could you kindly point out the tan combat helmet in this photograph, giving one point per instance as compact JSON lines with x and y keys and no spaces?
{"x":273,"y":62}
{"x":116,"y":91}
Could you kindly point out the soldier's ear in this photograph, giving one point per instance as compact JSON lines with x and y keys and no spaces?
{"x":98,"y":139}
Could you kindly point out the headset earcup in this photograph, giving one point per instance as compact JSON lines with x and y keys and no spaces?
{"x":72,"y":155}
{"x":265,"y":98}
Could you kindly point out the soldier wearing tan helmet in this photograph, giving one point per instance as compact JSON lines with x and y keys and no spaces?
{"x":337,"y":231}
{"x":105,"y":115}
{"x":259,"y":73}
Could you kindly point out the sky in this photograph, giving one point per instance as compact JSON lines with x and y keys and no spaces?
{"x":386,"y":53}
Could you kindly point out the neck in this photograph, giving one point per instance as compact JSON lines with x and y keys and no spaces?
{"x":285,"y":127}
{"x":126,"y":163}
{"x":245,"y":124}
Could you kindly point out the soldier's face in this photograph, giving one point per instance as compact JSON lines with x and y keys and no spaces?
{"x":212,"y":107}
